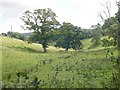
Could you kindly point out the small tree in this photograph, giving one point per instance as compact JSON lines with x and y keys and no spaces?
{"x":69,"y":37}
{"x":42,"y":22}
{"x":96,"y":33}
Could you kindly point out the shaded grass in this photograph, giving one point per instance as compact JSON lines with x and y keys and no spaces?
{"x":27,"y":49}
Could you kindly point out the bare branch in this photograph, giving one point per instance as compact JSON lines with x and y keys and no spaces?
{"x":108,"y":7}
{"x":105,"y":14}
{"x":100,"y":15}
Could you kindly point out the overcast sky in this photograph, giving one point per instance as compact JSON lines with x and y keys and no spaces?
{"x":83,"y":13}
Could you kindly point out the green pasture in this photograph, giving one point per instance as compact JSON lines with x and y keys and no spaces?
{"x":25,"y":65}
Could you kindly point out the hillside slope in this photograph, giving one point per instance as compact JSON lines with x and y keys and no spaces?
{"x":22,"y":63}
{"x":89,"y":46}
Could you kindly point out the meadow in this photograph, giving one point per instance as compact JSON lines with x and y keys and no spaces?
{"x":24,"y":65}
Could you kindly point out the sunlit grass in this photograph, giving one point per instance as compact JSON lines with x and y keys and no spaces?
{"x":76,"y":68}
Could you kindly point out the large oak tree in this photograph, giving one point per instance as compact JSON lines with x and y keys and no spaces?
{"x":69,"y":37}
{"x":42,"y":22}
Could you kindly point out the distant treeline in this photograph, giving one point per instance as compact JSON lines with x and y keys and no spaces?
{"x":86,"y":33}
{"x":17,"y":35}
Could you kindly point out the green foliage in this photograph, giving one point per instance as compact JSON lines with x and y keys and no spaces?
{"x":118,"y":16}
{"x":109,"y":29}
{"x":108,"y":42}
{"x":96,"y":33}
{"x":109,"y":22}
{"x":15,"y":35}
{"x":87,"y":33}
{"x":3,"y":34}
{"x":41,"y":21}
{"x":69,"y":37}
{"x":36,"y":82}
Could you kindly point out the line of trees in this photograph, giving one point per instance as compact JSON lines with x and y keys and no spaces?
{"x":45,"y":28}
{"x":16,"y":35}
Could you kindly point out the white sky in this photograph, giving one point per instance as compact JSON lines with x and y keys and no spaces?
{"x":83,"y":13}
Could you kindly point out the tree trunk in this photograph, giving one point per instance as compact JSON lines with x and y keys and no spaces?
{"x":45,"y":50}
{"x":44,"y":45}
{"x":67,"y":46}
{"x":67,"y":49}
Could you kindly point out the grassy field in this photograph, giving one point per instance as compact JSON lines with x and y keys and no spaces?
{"x":24,"y":65}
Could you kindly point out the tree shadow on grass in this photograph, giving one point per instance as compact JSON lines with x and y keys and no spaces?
{"x":27,"y":49}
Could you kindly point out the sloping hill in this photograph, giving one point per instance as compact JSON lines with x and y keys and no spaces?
{"x":23,"y":64}
{"x":22,"y":45}
{"x":89,"y":46}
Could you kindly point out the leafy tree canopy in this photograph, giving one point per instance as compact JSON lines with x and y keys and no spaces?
{"x":69,"y":37}
{"x":109,"y":29}
{"x":43,"y":22}
{"x":96,"y":33}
